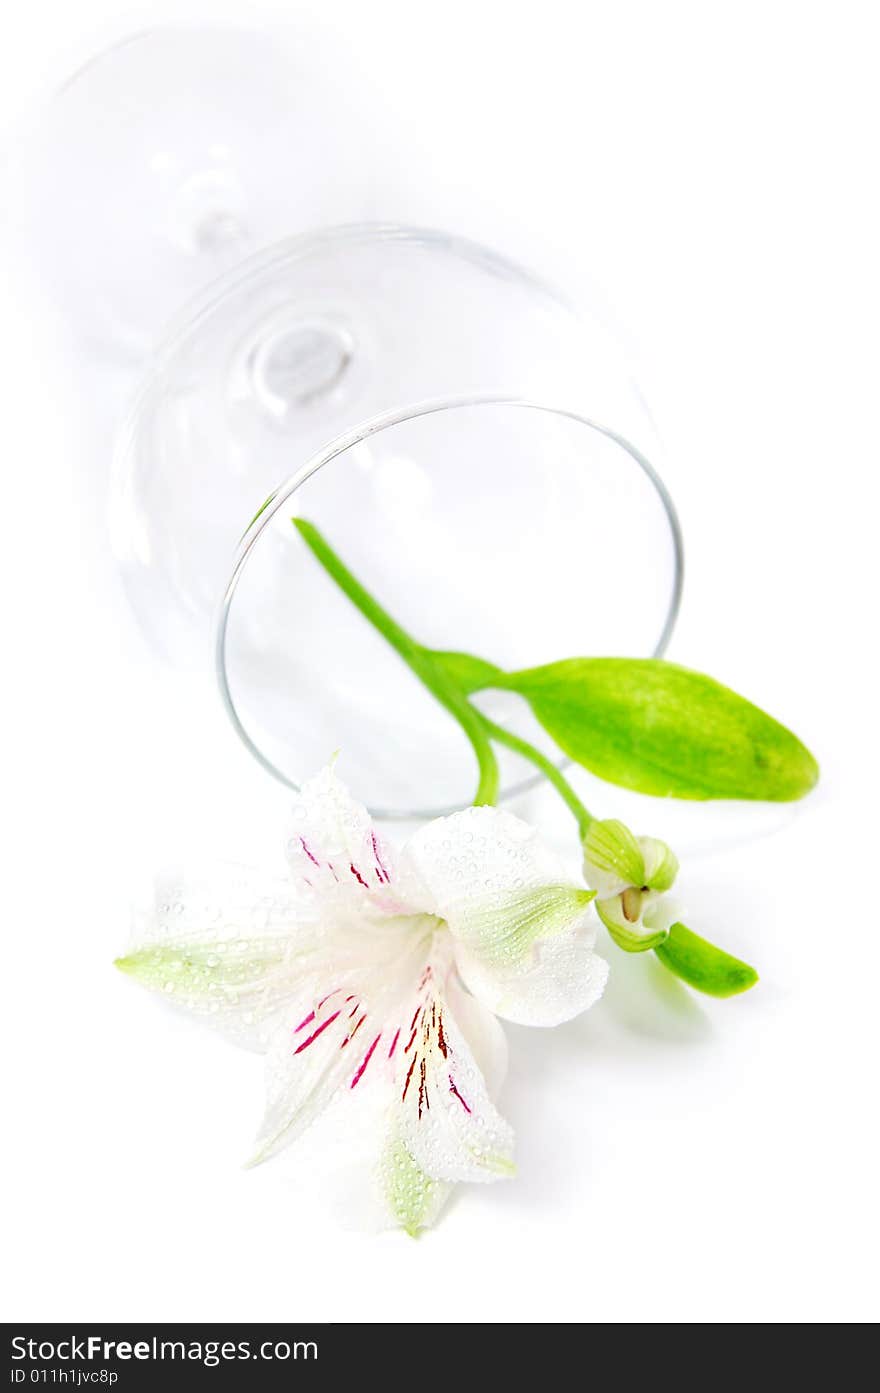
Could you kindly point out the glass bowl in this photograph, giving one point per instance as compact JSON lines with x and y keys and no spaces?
{"x":295,"y":347}
{"x":515,"y":531}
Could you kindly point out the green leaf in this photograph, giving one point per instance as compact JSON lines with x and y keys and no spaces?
{"x":704,"y":966}
{"x":469,"y":674}
{"x":661,"y":729}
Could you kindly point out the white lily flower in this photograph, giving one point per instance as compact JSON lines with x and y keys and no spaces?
{"x":370,"y":968}
{"x":631,"y":876}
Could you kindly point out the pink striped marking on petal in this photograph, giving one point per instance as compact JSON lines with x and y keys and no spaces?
{"x":311,"y":1016}
{"x":381,"y":869}
{"x":367,"y":1057}
{"x":408,"y":1077}
{"x":357,"y":1025}
{"x":314,"y":1035}
{"x":311,"y":855}
{"x":453,"y":1089}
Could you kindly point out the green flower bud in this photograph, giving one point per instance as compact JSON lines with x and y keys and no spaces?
{"x":630,"y":876}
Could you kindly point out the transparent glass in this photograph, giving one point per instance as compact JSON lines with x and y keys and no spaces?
{"x":175,"y":153}
{"x":515,"y":531}
{"x":298,"y":345}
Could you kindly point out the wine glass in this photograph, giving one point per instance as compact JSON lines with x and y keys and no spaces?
{"x":507,"y":529}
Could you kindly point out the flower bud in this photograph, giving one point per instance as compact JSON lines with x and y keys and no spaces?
{"x":630,"y":876}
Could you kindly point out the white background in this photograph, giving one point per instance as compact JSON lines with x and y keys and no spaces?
{"x":714,"y":168}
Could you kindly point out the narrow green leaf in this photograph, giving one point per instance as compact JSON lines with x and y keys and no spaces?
{"x":468,"y":673}
{"x":661,"y":729}
{"x":704,"y":966}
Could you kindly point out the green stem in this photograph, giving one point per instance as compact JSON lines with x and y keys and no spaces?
{"x":416,"y":657}
{"x":550,"y":771}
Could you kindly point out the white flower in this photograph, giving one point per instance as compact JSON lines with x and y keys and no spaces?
{"x":371,"y":969}
{"x":631,"y":876}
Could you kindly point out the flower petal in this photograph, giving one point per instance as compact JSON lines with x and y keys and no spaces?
{"x":413,"y":1197}
{"x":561,"y":977}
{"x":413,"y":1200}
{"x":446,"y":1119}
{"x":487,"y":874}
{"x":613,"y":857}
{"x":335,"y":851}
{"x":344,"y":1030}
{"x":665,"y":911}
{"x":638,"y":920}
{"x":633,"y":919}
{"x":228,"y":945}
{"x":661,"y":864}
{"x":308,"y":1063}
{"x":507,"y":900}
{"x":483,"y":1032}
{"x":362,"y":1127}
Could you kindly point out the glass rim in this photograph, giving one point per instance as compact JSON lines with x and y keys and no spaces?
{"x":356,"y":436}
